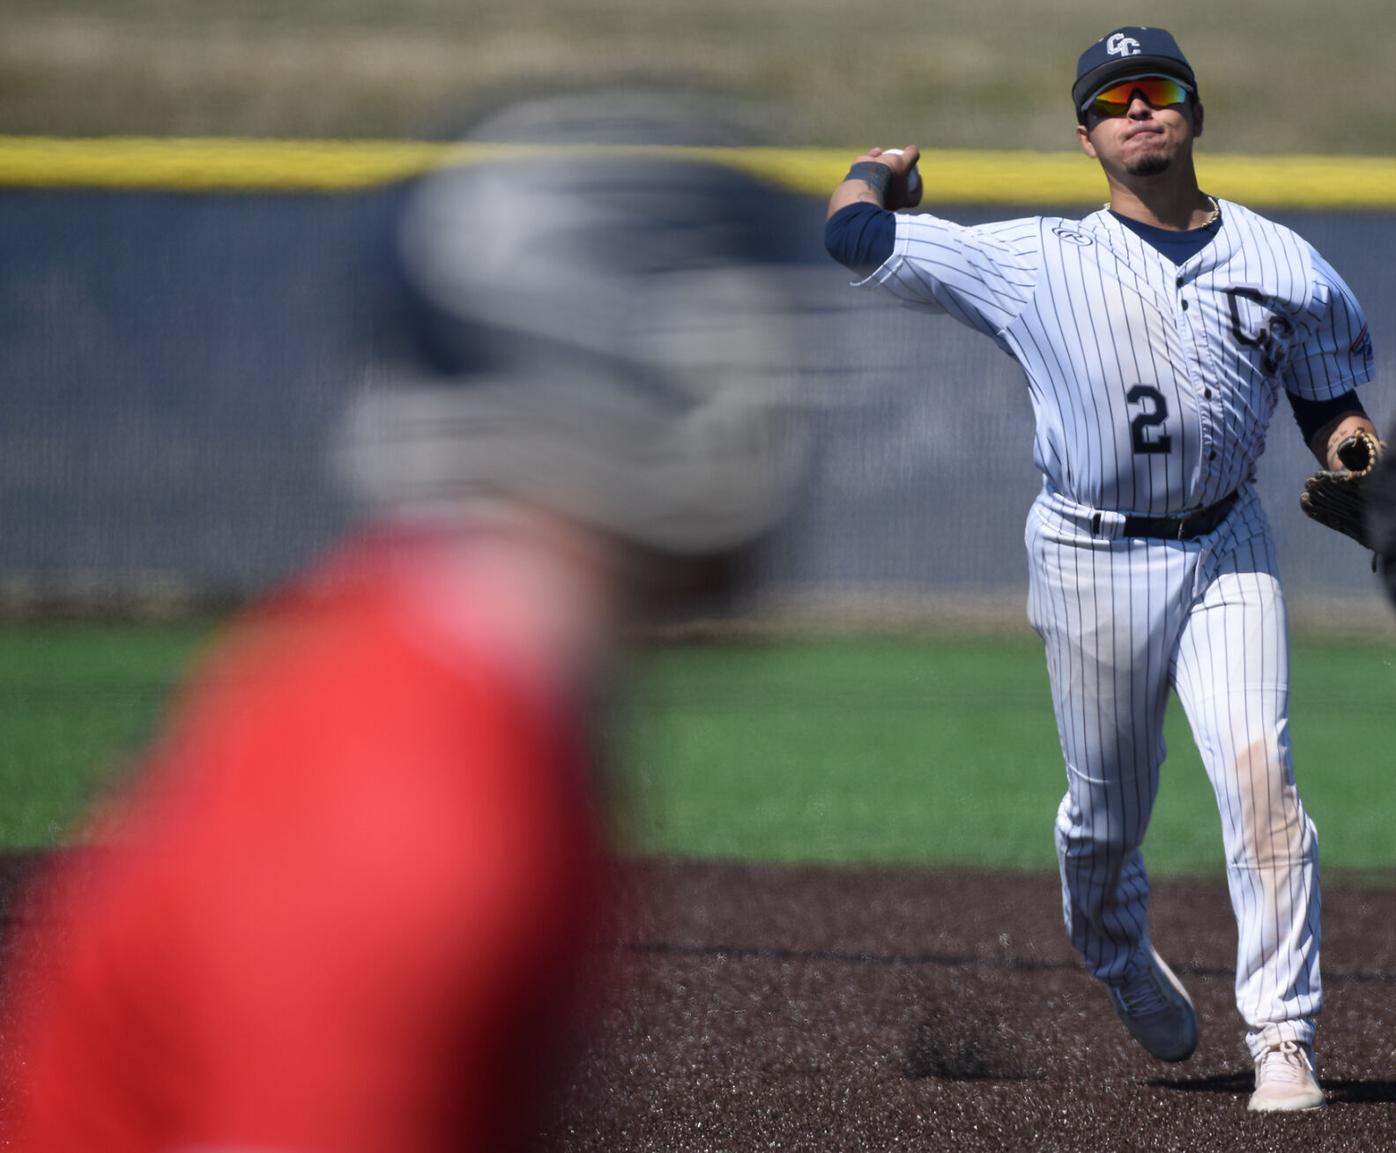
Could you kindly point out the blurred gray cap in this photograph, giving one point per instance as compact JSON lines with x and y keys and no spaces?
{"x":603,"y":331}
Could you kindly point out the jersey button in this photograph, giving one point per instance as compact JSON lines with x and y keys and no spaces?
{"x":1206,"y":394}
{"x":1185,"y":306}
{"x":1212,"y":455}
{"x":1179,"y":282}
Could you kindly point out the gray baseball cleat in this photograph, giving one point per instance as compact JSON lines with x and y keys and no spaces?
{"x":1285,"y":1081}
{"x":1156,"y":1009}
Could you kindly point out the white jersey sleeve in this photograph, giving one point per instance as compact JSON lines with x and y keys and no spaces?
{"x":1333,"y":352}
{"x":982,"y":275}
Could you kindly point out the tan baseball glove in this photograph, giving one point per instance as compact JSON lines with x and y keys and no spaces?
{"x":1335,"y":497}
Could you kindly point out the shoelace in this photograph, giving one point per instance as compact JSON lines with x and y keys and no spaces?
{"x":1140,"y":994}
{"x":1286,"y":1062}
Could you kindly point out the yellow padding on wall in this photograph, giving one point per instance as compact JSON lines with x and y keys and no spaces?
{"x":951,"y":176}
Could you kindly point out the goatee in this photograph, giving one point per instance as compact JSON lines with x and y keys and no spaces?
{"x":1148,"y":165}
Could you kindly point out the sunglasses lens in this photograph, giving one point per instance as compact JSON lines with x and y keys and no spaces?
{"x":1159,"y":91}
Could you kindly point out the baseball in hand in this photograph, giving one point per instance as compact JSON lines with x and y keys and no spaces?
{"x":913,"y":176}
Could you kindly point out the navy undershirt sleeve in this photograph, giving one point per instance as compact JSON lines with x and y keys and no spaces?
{"x":861,"y":236}
{"x":1312,"y":415}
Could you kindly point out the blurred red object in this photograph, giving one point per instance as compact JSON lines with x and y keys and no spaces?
{"x":346,"y":906}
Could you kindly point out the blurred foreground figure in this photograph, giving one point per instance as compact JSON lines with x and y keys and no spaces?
{"x":345,"y":907}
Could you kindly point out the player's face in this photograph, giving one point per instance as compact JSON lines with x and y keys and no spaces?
{"x":1132,"y":135}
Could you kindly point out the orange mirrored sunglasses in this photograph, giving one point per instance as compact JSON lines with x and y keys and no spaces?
{"x":1159,"y":91}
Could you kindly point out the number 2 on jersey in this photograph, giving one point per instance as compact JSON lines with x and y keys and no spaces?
{"x":1153,"y":412}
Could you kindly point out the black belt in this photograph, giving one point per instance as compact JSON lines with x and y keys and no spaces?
{"x":1187,"y":527}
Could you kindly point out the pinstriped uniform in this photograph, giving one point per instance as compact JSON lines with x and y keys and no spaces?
{"x":1152,"y":385}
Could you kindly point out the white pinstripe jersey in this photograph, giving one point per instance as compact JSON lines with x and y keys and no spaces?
{"x":1152,"y":383}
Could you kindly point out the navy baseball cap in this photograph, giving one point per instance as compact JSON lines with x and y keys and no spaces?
{"x":1126,"y":53}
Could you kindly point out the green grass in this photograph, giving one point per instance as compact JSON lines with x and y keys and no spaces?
{"x":933,"y":72}
{"x":77,"y":701}
{"x":943,"y":751}
{"x":841,"y":750}
{"x":928,"y":751}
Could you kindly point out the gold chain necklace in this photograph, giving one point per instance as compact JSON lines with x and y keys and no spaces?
{"x":1212,"y":217}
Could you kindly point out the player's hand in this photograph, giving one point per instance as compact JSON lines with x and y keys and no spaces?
{"x":881,"y":176}
{"x":905,"y":189}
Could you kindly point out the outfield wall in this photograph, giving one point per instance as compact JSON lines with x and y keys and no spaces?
{"x":173,"y":363}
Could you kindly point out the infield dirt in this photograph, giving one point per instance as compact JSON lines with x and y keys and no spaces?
{"x":819,"y":1009}
{"x":777,"y":1008}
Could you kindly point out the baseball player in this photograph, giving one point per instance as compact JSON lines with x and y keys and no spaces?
{"x":1156,"y":336}
{"x":347,"y":907}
